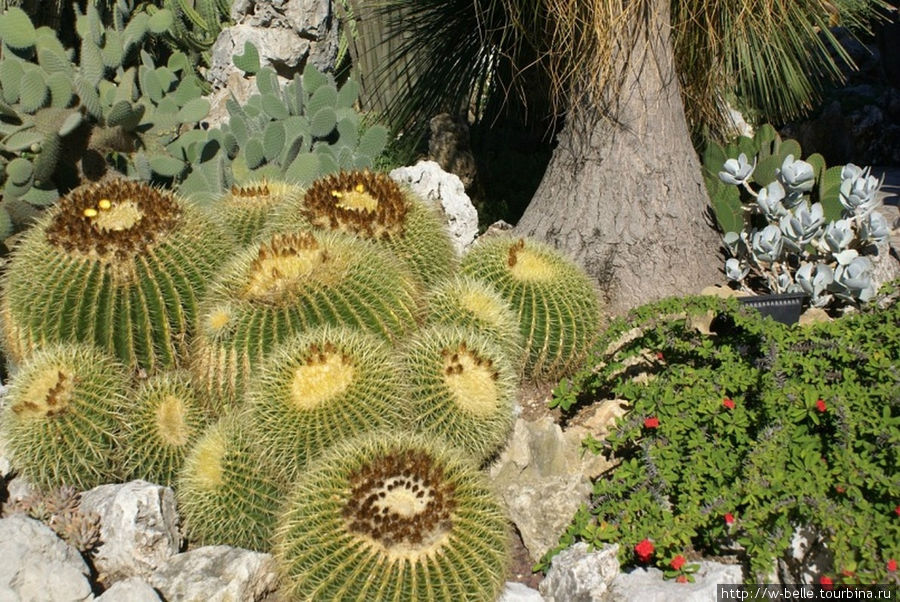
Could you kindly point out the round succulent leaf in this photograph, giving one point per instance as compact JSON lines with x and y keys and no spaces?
{"x":90,"y":98}
{"x":33,"y":91}
{"x":304,"y":169}
{"x":274,"y":107}
{"x":161,"y":21}
{"x":167,"y":105}
{"x":23,"y":140}
{"x":327,"y":161}
{"x":150,"y":84}
{"x":248,"y":62}
{"x":92,"y":67}
{"x":118,"y":113}
{"x":178,"y":61}
{"x":267,"y":81}
{"x":373,"y":141}
{"x":135,"y":30}
{"x":166,"y":165}
{"x":19,"y":171}
{"x":230,"y":143}
{"x":239,"y":128}
{"x":273,"y":140}
{"x":11,"y":73}
{"x":166,"y":77}
{"x":348,"y":132}
{"x":113,"y":50}
{"x":194,"y":111}
{"x":323,"y":122}
{"x":12,"y":190}
{"x":253,"y":153}
{"x":53,"y":61}
{"x":45,"y":163}
{"x":348,"y":94}
{"x":16,"y":29}
{"x":61,"y":92}
{"x":312,"y":79}
{"x":41,"y":197}
{"x":187,"y":91}
{"x":324,"y":96}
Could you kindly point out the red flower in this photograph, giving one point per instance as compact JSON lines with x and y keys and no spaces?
{"x":659,"y":355}
{"x":644,"y":550}
{"x":897,"y":510}
{"x":892,"y":565}
{"x":839,"y":489}
{"x":728,"y":403}
{"x":681,"y":579}
{"x":820,"y":405}
{"x":729,"y":518}
{"x":651,"y":423}
{"x":677,"y":562}
{"x":825,"y":582}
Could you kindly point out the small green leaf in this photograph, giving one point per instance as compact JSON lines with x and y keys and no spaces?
{"x":33,"y":92}
{"x":166,"y":166}
{"x":273,"y":140}
{"x":348,"y":94}
{"x":312,"y":79}
{"x":253,"y":153}
{"x":324,"y":96}
{"x":323,"y":122}
{"x":19,"y":171}
{"x":373,"y":141}
{"x":248,"y":62}
{"x":194,"y":111}
{"x":267,"y":81}
{"x":304,"y":169}
{"x":41,"y":197}
{"x":70,"y":123}
{"x":273,"y":107}
{"x":16,"y":29}
{"x":161,"y":21}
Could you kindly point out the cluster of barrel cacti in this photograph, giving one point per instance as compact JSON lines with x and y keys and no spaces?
{"x":321,"y":344}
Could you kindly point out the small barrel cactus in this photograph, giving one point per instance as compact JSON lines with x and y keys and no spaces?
{"x":62,"y":420}
{"x":462,"y":387}
{"x":290,"y":283}
{"x":467,"y":302}
{"x":320,"y":387}
{"x":372,"y":206}
{"x":227,"y":493}
{"x":245,"y":210}
{"x":120,"y":264}
{"x":556,"y":302}
{"x":163,"y":421}
{"x":392,"y":517}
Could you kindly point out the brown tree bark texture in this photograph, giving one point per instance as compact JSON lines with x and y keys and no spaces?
{"x":625,"y":196}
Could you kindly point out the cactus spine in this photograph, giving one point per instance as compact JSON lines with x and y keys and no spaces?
{"x":62,"y":420}
{"x":462,"y":388}
{"x":323,"y":386}
{"x":226,"y":492}
{"x":120,"y":264}
{"x":161,"y":424}
{"x":374,"y":207}
{"x":556,"y":303}
{"x":290,"y":283}
{"x":392,"y":517}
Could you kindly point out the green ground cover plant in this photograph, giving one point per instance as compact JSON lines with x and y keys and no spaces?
{"x":738,"y":436}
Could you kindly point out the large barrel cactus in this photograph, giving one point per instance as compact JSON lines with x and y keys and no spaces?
{"x":290,"y":283}
{"x":227,"y":493}
{"x":246,"y":210}
{"x":462,"y":387}
{"x":321,"y":387}
{"x":392,"y":517}
{"x":62,"y":419}
{"x":372,"y":206}
{"x":556,"y":302}
{"x":118,"y":263}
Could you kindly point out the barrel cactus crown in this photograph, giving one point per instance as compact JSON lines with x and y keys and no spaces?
{"x":162,"y":422}
{"x":374,"y":207}
{"x":392,"y":517}
{"x":62,"y":420}
{"x":290,"y":283}
{"x":227,"y":493}
{"x":246,"y":210}
{"x":117,"y":263}
{"x":556,"y":302}
{"x":467,"y":302}
{"x":320,"y":387}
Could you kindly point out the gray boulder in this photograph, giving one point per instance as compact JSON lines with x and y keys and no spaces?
{"x":216,"y":574}
{"x":130,"y":590}
{"x":138,"y":528}
{"x":446,"y":191}
{"x":519,"y":592}
{"x":580,"y":575}
{"x":648,"y":585}
{"x":37,"y":565}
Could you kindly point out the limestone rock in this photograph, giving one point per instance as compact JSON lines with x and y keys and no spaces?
{"x":518,"y":592}
{"x":446,"y":190}
{"x":807,"y":559}
{"x":648,"y":585}
{"x":580,"y":575}
{"x":541,"y":477}
{"x":37,"y":565}
{"x":138,"y":527}
{"x":130,"y":590}
{"x":216,"y":574}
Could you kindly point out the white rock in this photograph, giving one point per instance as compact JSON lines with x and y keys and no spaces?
{"x":37,"y":565}
{"x":648,"y":585}
{"x":446,"y":191}
{"x":216,"y":574}
{"x":134,"y":589}
{"x":519,"y":592}
{"x":579,"y":575}
{"x":138,"y":527}
{"x":807,"y":559}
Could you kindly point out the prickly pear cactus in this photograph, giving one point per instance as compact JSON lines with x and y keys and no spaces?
{"x":62,"y":419}
{"x":290,"y":283}
{"x":322,"y":387}
{"x":374,"y":207}
{"x":120,"y":264}
{"x":392,"y":517}
{"x":163,"y":420}
{"x":245,"y":210}
{"x":470,"y":303}
{"x":556,"y":302}
{"x":461,"y":386}
{"x":227,"y":494}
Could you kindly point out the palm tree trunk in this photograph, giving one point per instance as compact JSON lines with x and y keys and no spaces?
{"x":623,"y":192}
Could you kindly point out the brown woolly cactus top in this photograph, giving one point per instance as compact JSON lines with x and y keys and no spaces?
{"x":364,"y":203}
{"x":259,"y":194}
{"x":402,"y":501}
{"x":288,"y":261}
{"x":113,"y":219}
{"x":527,"y":265}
